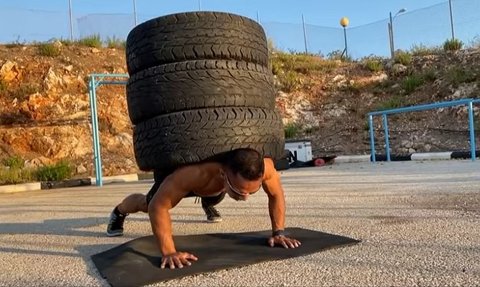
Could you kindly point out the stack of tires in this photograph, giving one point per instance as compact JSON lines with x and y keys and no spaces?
{"x":200,"y":85}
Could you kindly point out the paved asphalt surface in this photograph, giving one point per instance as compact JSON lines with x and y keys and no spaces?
{"x":419,"y":223}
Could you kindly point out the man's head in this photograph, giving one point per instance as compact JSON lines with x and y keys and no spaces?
{"x":243,"y":172}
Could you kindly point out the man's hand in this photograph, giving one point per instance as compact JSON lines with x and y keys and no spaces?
{"x":284,"y":241}
{"x":177,"y":259}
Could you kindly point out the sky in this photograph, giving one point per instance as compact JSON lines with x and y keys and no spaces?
{"x":423,"y":22}
{"x":315,"y":12}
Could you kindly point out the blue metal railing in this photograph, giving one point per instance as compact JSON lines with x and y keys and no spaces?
{"x":96,"y":80}
{"x":468,"y":102}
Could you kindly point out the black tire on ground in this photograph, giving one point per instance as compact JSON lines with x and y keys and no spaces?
{"x":176,"y":139}
{"x":195,"y":36}
{"x":198,"y":84}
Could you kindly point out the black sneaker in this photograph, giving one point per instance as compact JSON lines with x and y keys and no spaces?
{"x":212,"y":214}
{"x":115,"y":225}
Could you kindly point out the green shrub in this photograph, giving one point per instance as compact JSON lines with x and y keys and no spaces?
{"x":300,"y":62}
{"x":458,"y":75}
{"x":59,"y":171}
{"x":24,"y":90}
{"x":116,"y":43}
{"x":422,"y":50}
{"x":452,"y":45}
{"x":67,"y":42}
{"x":402,"y":57}
{"x":48,"y":49}
{"x":93,"y":41}
{"x":412,"y":82}
{"x":392,"y":103}
{"x":429,"y":75}
{"x":290,"y":81}
{"x":13,"y":162}
{"x":292,"y":130}
{"x":15,"y":176}
{"x":373,"y":64}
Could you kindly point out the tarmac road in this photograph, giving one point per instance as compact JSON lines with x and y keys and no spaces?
{"x":419,"y":223}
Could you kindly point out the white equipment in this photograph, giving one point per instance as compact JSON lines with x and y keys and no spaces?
{"x":300,"y":149}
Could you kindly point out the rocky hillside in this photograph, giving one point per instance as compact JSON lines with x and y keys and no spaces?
{"x":45,"y":110}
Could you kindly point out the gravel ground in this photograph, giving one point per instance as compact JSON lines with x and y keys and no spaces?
{"x":418,"y":223}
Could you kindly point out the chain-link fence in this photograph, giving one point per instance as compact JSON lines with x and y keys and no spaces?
{"x":424,"y":27}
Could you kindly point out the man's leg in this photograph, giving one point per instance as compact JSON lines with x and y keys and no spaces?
{"x":131,"y":204}
{"x":208,"y":205}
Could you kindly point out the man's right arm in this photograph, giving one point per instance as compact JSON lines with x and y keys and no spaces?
{"x":159,"y":214}
{"x":170,"y":192}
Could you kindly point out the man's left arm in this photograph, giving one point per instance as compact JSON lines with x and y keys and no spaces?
{"x":276,"y":206}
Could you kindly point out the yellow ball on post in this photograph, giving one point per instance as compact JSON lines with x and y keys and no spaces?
{"x":344,"y":22}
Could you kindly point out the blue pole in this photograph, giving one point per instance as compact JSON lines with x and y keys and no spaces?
{"x":96,"y":80}
{"x":387,"y":144}
{"x":372,"y":138}
{"x":472,"y":130}
{"x":91,"y":92}
{"x":98,"y":161}
{"x":96,"y":142}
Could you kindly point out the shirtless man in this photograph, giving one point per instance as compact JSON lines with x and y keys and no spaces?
{"x":238,"y":173}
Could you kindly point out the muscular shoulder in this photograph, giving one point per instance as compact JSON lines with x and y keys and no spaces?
{"x":193,"y":177}
{"x":270,"y":171}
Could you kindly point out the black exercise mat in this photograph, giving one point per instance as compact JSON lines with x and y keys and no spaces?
{"x":137,"y":262}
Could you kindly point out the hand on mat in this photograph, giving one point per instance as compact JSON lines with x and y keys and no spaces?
{"x":177,"y":259}
{"x":284,"y":241}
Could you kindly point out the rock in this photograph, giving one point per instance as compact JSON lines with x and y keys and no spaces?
{"x":125,"y":139}
{"x":81,"y":82}
{"x":427,"y":147}
{"x":464,"y":91}
{"x":339,"y":78}
{"x":34,"y":106}
{"x":408,"y":144}
{"x":42,"y":144}
{"x":57,"y":44}
{"x":81,"y":169}
{"x":9,"y":72}
{"x":130,"y":163}
{"x":399,"y":69}
{"x":52,"y":81}
{"x":37,"y":162}
{"x":379,"y":78}
{"x":95,"y":50}
{"x":68,"y":68}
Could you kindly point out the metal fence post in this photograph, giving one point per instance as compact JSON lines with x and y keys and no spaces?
{"x":472,"y":131}
{"x":387,"y":143}
{"x":372,"y":138}
{"x":96,"y":144}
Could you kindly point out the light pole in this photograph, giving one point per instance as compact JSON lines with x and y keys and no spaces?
{"x":451,"y":19}
{"x":135,"y":12}
{"x":71,"y":19}
{"x":304,"y":35}
{"x":344,"y":23}
{"x":390,"y":31}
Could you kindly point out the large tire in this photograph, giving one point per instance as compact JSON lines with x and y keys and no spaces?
{"x":186,"y":137}
{"x":195,"y":36}
{"x":198,"y":84}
